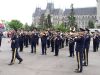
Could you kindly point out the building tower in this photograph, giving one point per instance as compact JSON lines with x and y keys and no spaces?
{"x":98,"y":10}
{"x":98,"y":14}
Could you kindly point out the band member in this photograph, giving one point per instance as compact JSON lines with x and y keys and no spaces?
{"x":66,"y":40}
{"x":71,"y":46}
{"x":96,"y":41}
{"x":26,"y":39}
{"x":79,"y":50}
{"x":52,"y":43}
{"x":43,"y":43}
{"x":63,"y":40}
{"x":33,"y":42}
{"x":1,"y":38}
{"x":87,"y":38}
{"x":21,"y":40}
{"x":14,"y":46}
{"x":57,"y":40}
{"x":48,"y":40}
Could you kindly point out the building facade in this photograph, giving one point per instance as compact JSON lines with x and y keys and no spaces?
{"x":83,"y":15}
{"x":98,"y":10}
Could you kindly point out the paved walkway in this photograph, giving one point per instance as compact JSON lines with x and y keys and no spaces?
{"x":37,"y":64}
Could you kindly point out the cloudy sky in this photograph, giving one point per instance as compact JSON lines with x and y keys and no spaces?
{"x":23,"y":9}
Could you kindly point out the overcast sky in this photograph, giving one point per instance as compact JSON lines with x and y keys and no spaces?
{"x":23,"y":9}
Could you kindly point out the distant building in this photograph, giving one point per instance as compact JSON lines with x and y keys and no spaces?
{"x":83,"y":15}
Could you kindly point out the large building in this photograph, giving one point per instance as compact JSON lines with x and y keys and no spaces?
{"x":83,"y":15}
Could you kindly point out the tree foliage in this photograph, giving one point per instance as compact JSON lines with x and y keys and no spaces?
{"x":49,"y":21}
{"x":72,"y":19}
{"x":26,"y":27}
{"x":15,"y":24}
{"x":61,"y":27}
{"x":91,"y":24}
{"x":42,"y":21}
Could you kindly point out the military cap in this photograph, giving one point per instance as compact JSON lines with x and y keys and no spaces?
{"x":87,"y":29}
{"x":81,"y":29}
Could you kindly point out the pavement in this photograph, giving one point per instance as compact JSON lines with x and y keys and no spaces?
{"x":37,"y":64}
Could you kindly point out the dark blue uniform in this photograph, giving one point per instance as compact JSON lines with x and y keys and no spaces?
{"x":52,"y":44}
{"x":66,"y":41}
{"x":21,"y":40}
{"x":79,"y":52}
{"x":96,"y":41}
{"x":71,"y":46}
{"x":33,"y":42}
{"x":26,"y":40}
{"x":43,"y":43}
{"x":14,"y":46}
{"x":1,"y":37}
{"x":48,"y":40}
{"x":87,"y":39}
{"x":57,"y":41}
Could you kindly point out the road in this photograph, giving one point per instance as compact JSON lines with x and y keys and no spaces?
{"x":37,"y":64}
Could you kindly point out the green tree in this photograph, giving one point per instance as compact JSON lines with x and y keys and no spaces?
{"x":91,"y":24}
{"x":32,"y":27}
{"x":42,"y":21}
{"x":49,"y":21}
{"x":26,"y":27}
{"x":71,"y":18}
{"x":61,"y":27}
{"x":15,"y":24}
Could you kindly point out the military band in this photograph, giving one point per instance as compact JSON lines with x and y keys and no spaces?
{"x":55,"y":41}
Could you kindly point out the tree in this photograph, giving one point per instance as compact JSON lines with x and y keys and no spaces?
{"x":71,"y":18}
{"x":61,"y":27}
{"x":15,"y":24}
{"x":49,"y":21}
{"x":42,"y":21}
{"x":91,"y":24}
{"x":32,"y":27}
{"x":27,"y":27}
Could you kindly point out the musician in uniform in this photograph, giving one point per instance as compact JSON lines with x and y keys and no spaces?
{"x":44,"y":42}
{"x":96,"y":41}
{"x":1,"y":34}
{"x":52,"y":43}
{"x":87,"y":38}
{"x":79,"y":50}
{"x":57,"y":41}
{"x":21,"y":40}
{"x":71,"y":45}
{"x":33,"y":42}
{"x":14,"y":46}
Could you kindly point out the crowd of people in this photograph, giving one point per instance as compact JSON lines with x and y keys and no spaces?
{"x":76,"y":41}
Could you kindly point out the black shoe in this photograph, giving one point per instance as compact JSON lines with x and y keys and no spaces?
{"x":84,"y":64}
{"x":31,"y":52}
{"x":55,"y":55}
{"x":42,"y":54}
{"x":20,"y":61}
{"x":77,"y":71}
{"x":11,"y":64}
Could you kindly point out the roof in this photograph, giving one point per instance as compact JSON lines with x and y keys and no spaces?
{"x":82,"y":11}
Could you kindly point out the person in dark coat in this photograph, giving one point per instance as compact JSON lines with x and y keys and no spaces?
{"x":52,"y":43}
{"x":71,"y":46}
{"x":14,"y":46}
{"x":87,"y":38}
{"x":33,"y":42}
{"x":21,"y":40}
{"x":43,"y":43}
{"x":79,"y":50}
{"x":48,"y":39}
{"x":96,"y":41}
{"x":26,"y":39}
{"x":57,"y":41}
{"x":1,"y":34}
